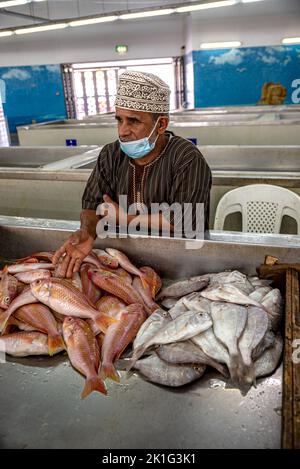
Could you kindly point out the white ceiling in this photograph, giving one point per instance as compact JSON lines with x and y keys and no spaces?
{"x":61,"y":9}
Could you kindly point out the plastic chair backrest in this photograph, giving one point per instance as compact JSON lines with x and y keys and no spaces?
{"x":262,"y":206}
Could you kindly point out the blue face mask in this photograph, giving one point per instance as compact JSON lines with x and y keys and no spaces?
{"x":139,"y":148}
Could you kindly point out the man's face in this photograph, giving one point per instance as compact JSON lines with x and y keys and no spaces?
{"x":133,"y":125}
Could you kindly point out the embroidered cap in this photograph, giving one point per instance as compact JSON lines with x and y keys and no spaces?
{"x":141,"y":91}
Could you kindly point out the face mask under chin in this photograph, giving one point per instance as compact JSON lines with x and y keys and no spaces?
{"x":139,"y":148}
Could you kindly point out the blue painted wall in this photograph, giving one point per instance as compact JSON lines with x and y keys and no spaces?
{"x":32,"y":93}
{"x":228,"y":77}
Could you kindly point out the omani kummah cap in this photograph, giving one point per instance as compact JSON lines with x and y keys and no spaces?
{"x":141,"y":91}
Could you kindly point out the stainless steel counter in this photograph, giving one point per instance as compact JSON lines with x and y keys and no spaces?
{"x":12,"y":158}
{"x":55,"y":189}
{"x":40,"y":405}
{"x":219,"y":128}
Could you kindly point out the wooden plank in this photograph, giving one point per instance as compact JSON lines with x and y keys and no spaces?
{"x":267,"y":271}
{"x":287,"y":385}
{"x":296,"y":366}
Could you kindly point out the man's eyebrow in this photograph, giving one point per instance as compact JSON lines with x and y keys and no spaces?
{"x":130,"y":118}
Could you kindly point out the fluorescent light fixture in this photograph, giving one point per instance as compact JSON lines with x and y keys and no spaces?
{"x":124,"y":63}
{"x":217,"y":45}
{"x":6,"y":33}
{"x":250,"y":1}
{"x":206,"y":6}
{"x":146,"y":14}
{"x":101,"y":19}
{"x":13,"y":3}
{"x":38,"y":29}
{"x":291,"y":40}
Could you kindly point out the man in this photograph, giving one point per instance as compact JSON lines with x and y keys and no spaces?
{"x":147,"y":164}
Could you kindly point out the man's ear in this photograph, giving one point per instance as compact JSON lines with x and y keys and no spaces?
{"x":163,"y":124}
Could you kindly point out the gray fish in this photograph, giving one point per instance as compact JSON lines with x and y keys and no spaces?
{"x":182,"y":328}
{"x":235,"y":277}
{"x":146,"y":332}
{"x":156,"y":370}
{"x":150,"y":327}
{"x":269,"y":360}
{"x":253,"y":334}
{"x":184,"y":287}
{"x":178,"y":309}
{"x":273,"y":303}
{"x":229,"y":293}
{"x":259,"y":293}
{"x":187,"y":353}
{"x":267,"y":342}
{"x":196,"y":302}
{"x":168,"y":303}
{"x":258,"y":282}
{"x":229,"y":321}
{"x":211,"y":346}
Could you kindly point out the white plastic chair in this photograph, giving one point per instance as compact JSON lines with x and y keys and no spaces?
{"x":262,"y":207}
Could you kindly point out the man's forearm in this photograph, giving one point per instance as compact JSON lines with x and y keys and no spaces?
{"x":155,"y":221}
{"x":88,"y":221}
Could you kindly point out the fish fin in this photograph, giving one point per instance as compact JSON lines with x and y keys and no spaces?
{"x":222,"y":369}
{"x":3,"y":322}
{"x":93,"y":384}
{"x":103,"y":321}
{"x":109,"y":371}
{"x":7,"y":329}
{"x":55,"y":344}
{"x":145,"y":283}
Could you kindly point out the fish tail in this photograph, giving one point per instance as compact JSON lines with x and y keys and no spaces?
{"x":103,"y":321}
{"x":108,"y":371}
{"x":55,"y":344}
{"x":144,"y":279}
{"x":93,"y":384}
{"x":136,"y":355}
{"x":234,"y":368}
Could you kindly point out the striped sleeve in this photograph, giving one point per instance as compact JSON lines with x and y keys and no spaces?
{"x":191,"y":185}
{"x":98,"y":183}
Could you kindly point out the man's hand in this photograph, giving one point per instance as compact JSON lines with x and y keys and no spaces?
{"x":112,"y":211}
{"x":74,"y":250}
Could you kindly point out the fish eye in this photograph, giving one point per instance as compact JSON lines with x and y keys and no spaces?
{"x":7,"y":300}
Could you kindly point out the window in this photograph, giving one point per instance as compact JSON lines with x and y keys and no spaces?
{"x":95,"y":84}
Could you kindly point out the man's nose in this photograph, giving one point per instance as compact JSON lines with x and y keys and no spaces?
{"x":124,"y":130}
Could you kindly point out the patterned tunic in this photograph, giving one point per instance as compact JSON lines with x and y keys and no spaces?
{"x":179,"y":174}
